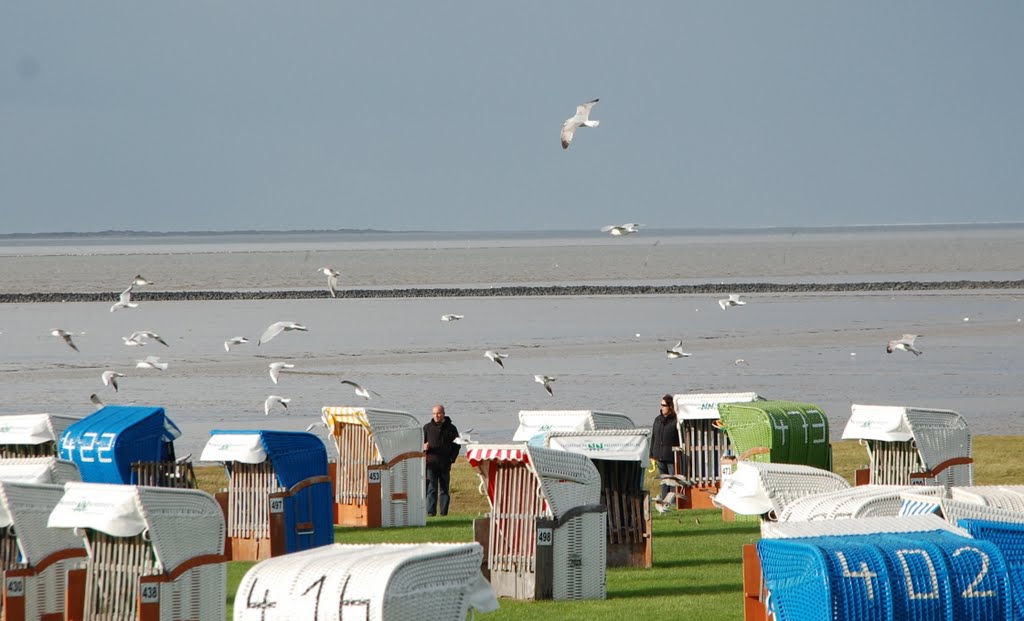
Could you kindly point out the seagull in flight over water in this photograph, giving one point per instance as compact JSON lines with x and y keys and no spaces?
{"x":235,"y":340}
{"x":139,"y":281}
{"x":332,"y":279}
{"x":580,"y":119}
{"x":545,"y":380}
{"x":906,"y":344}
{"x":621,"y":229}
{"x":275,"y":369}
{"x":277,"y":328}
{"x":151,"y":362}
{"x":732,"y":300}
{"x":677,"y":351}
{"x":96,"y":401}
{"x":64,"y":334}
{"x":496,"y":357}
{"x":451,"y":317}
{"x":139,"y":338}
{"x":362,"y":392}
{"x":273,"y":400}
{"x":464,"y":438}
{"x":110,"y":378}
{"x":125,"y":300}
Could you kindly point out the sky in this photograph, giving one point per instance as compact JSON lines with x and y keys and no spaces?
{"x":324,"y":114}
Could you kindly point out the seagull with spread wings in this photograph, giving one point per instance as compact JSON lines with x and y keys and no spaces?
{"x":677,"y":351}
{"x":273,"y":400}
{"x":618,"y":230}
{"x":496,"y":357}
{"x":332,"y":279}
{"x":277,"y":328}
{"x":580,"y":119}
{"x":904,"y":344}
{"x":125,"y":300}
{"x":545,"y":381}
{"x":110,"y":378}
{"x":235,"y":340}
{"x":64,"y":334}
{"x":275,"y":369}
{"x":732,"y":300}
{"x":362,"y":392}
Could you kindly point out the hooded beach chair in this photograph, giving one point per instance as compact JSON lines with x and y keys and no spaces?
{"x":780,"y":432}
{"x":34,"y":559}
{"x":378,"y":477}
{"x":702,"y":445}
{"x":534,"y":423}
{"x":545,"y":535}
{"x":766,"y":489}
{"x":912,"y":446}
{"x":384,"y":582}
{"x":153,"y":553}
{"x":128,"y":444}
{"x":620,"y":456}
{"x":278,"y":498}
{"x":32,"y":435}
{"x":39,"y":470}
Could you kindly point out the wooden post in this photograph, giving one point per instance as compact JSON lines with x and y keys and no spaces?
{"x":481,"y":534}
{"x":277,"y":521}
{"x":373,"y":499}
{"x":74,"y":597}
{"x":544,"y":585}
{"x":753,"y":585}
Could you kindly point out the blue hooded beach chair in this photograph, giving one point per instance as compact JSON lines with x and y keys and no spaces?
{"x":126,"y":444}
{"x":278,"y":498}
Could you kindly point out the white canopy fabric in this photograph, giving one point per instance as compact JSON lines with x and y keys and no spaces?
{"x":246,"y":448}
{"x":26,"y":429}
{"x":495,"y":452}
{"x":38,"y":470}
{"x":878,"y":422}
{"x":535,"y":422}
{"x":615,"y":445}
{"x":703,"y":406}
{"x":743,"y":493}
{"x":112,"y":509}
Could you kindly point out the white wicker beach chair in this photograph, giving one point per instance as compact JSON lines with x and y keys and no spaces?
{"x":33,"y":558}
{"x":859,"y":526}
{"x":908,"y":445}
{"x":964,"y":506}
{"x":851,"y":503}
{"x":39,"y":470}
{"x":385,"y":582}
{"x":1009,"y":497}
{"x":533,"y":423}
{"x":757,"y":488}
{"x":154,"y":553}
{"x":545,"y":534}
{"x":32,"y":435}
{"x":378,"y":451}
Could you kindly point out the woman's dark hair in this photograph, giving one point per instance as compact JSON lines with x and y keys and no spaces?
{"x":669,"y":400}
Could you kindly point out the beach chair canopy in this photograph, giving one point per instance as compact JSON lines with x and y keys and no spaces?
{"x":938,"y":434}
{"x":295,"y":455}
{"x":26,"y":507}
{"x":793,"y":433}
{"x":757,"y":488}
{"x":609,"y":444}
{"x":852,"y":503}
{"x":39,"y":470}
{"x":33,"y":428}
{"x":566,"y":480}
{"x":399,"y":582}
{"x":393,"y":432}
{"x":535,"y":422}
{"x":1009,"y":497}
{"x":181,"y":523}
{"x":106,"y":443}
{"x":701,"y":406}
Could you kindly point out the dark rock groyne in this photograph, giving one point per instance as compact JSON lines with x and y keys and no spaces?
{"x":520,"y":291}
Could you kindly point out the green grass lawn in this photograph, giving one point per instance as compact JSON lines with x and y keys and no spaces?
{"x":697,"y":564}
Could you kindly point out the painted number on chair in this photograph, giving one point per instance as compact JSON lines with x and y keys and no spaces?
{"x":15,"y":587}
{"x":930,"y":590}
{"x":277,"y":505}
{"x":545,"y":536}
{"x":150,"y":593}
{"x":971,"y":591}
{"x":373,"y":476}
{"x":864,"y":573}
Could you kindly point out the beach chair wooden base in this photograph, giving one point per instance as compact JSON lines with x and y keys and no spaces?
{"x":697,"y":497}
{"x":754,"y":608}
{"x":629,"y":530}
{"x":21,"y":584}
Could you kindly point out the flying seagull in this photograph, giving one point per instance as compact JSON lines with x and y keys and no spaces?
{"x":496,"y":357}
{"x":110,"y":378}
{"x":362,"y":392}
{"x":273,"y":400}
{"x":732,"y":300}
{"x":580,"y":119}
{"x":451,"y":317}
{"x":677,"y":351}
{"x":235,"y":340}
{"x":151,"y":362}
{"x":621,"y":229}
{"x":124,"y":300}
{"x":312,"y":426}
{"x":139,"y":281}
{"x":275,"y":369}
{"x":906,"y":344}
{"x":464,"y":437}
{"x":64,"y":334}
{"x":140,"y":337}
{"x":545,"y":380}
{"x":96,"y":401}
{"x":277,"y":328}
{"x":332,"y":279}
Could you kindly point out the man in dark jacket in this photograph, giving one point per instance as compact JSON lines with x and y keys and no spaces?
{"x":664,"y":438}
{"x":441,"y":451}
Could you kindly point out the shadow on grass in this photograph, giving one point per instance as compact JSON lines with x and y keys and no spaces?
{"x":697,"y":532}
{"x":669,"y":589}
{"x":694,"y":562}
